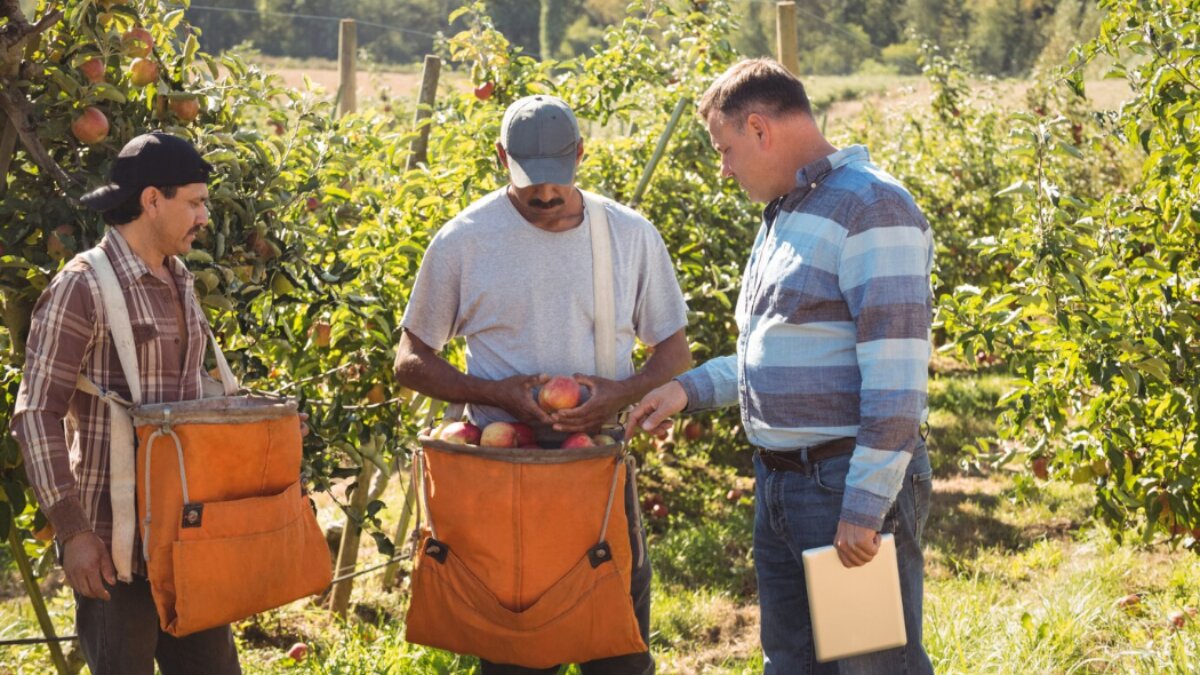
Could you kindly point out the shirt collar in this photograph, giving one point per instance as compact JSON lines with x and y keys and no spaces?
{"x":129,"y":266}
{"x":809,"y":176}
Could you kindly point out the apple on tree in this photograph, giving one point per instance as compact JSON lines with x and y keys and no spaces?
{"x":91,"y":126}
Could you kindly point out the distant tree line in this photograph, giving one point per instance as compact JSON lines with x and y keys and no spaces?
{"x":997,"y":37}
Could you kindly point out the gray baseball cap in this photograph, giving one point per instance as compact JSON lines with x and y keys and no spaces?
{"x":541,"y":136}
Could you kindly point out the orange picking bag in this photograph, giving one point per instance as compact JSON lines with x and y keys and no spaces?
{"x":226,"y":529}
{"x":526,"y":558}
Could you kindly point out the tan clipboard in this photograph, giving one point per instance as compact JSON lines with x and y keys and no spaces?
{"x":854,"y":610}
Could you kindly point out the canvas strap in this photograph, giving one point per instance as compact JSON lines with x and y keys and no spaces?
{"x":604,"y":300}
{"x":121,"y":469}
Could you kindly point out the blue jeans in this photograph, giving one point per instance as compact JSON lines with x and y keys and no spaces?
{"x":800,"y":510}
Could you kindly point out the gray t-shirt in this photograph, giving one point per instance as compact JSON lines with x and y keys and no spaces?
{"x":522,"y":296}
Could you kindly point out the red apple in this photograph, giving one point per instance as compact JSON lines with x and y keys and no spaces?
{"x":559,"y":393}
{"x":376,"y":394}
{"x":525,"y":435}
{"x":277,"y":126}
{"x":1177,"y":618}
{"x":1129,"y":601}
{"x":186,"y":109}
{"x":693,"y":430}
{"x":93,"y":69}
{"x":659,"y":510}
{"x":91,"y":127}
{"x":320,"y":332}
{"x":142,"y":72}
{"x":484,"y":91}
{"x":579,"y":440}
{"x":312,"y":203}
{"x":1039,"y":468}
{"x":137,"y":41}
{"x":463,"y":433}
{"x":499,"y":435}
{"x":298,"y":651}
{"x":734,"y":495}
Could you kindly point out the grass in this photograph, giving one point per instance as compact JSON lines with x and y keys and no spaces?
{"x":1020,"y":579}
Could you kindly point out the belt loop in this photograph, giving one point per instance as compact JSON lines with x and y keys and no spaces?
{"x":804,"y":455}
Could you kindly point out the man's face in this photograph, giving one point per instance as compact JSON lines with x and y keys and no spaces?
{"x":180,"y":218}
{"x":741,"y":156}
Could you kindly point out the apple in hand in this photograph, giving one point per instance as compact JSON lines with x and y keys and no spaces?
{"x":559,"y":393}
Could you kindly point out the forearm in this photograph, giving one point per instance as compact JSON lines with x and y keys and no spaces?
{"x":429,"y":374}
{"x":670,"y":358}
{"x":711,"y":385}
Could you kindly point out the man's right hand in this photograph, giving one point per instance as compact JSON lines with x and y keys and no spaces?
{"x":515,"y":396}
{"x":653,"y":412}
{"x":88,"y":563}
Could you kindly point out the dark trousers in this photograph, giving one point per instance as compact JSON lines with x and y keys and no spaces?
{"x":639,"y":589}
{"x":121,"y":636}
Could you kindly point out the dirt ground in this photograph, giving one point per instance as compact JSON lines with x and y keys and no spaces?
{"x":372,"y":86}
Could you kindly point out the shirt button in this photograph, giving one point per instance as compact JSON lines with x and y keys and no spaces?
{"x":176,"y":340}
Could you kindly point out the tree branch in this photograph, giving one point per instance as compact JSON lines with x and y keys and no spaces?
{"x":13,"y":102}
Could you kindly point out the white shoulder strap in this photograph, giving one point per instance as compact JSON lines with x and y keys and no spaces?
{"x":118,"y":319}
{"x":605,"y":305}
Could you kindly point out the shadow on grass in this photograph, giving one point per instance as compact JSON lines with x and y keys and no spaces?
{"x":962,"y":523}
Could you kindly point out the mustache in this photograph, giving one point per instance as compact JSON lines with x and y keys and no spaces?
{"x":537,"y":203}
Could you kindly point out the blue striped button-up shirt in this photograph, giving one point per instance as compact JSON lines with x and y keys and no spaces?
{"x":834,"y":319}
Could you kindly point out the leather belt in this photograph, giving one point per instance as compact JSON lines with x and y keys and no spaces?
{"x":791,"y":460}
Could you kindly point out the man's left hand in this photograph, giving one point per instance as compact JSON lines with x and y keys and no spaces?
{"x":607,"y":397}
{"x":856,"y":545}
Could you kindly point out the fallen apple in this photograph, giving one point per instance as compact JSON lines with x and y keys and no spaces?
{"x":1039,"y":468}
{"x":1177,"y":618}
{"x":298,"y":651}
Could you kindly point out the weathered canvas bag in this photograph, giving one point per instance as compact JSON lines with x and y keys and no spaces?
{"x":226,"y":528}
{"x":526,"y":557}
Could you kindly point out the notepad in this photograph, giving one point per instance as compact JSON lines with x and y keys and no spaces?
{"x":854,"y":610}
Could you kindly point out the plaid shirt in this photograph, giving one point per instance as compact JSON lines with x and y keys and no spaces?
{"x":64,"y":433}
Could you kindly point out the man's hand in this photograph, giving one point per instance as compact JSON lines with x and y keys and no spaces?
{"x":653,"y":412}
{"x":515,"y":396}
{"x":856,"y":545}
{"x":605,"y":400}
{"x":87,"y":562}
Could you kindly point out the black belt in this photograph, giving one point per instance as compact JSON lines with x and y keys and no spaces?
{"x":790,"y":460}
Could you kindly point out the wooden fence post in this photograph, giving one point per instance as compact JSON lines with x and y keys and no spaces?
{"x":347,"y":67}
{"x":429,"y":83}
{"x":658,"y":151}
{"x":347,"y":559}
{"x":787,"y":51}
{"x":400,"y":536}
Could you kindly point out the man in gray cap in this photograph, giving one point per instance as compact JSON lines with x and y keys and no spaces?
{"x":512,"y":275}
{"x":155,"y":202}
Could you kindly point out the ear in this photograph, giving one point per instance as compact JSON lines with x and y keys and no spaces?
{"x":759,"y":128}
{"x":501,"y":156}
{"x":578,"y":152}
{"x":149,"y":199}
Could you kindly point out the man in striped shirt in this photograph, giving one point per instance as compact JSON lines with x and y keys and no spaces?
{"x":831,"y":365}
{"x":155,"y":204}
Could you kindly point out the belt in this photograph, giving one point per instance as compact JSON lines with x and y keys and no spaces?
{"x":791,"y":460}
